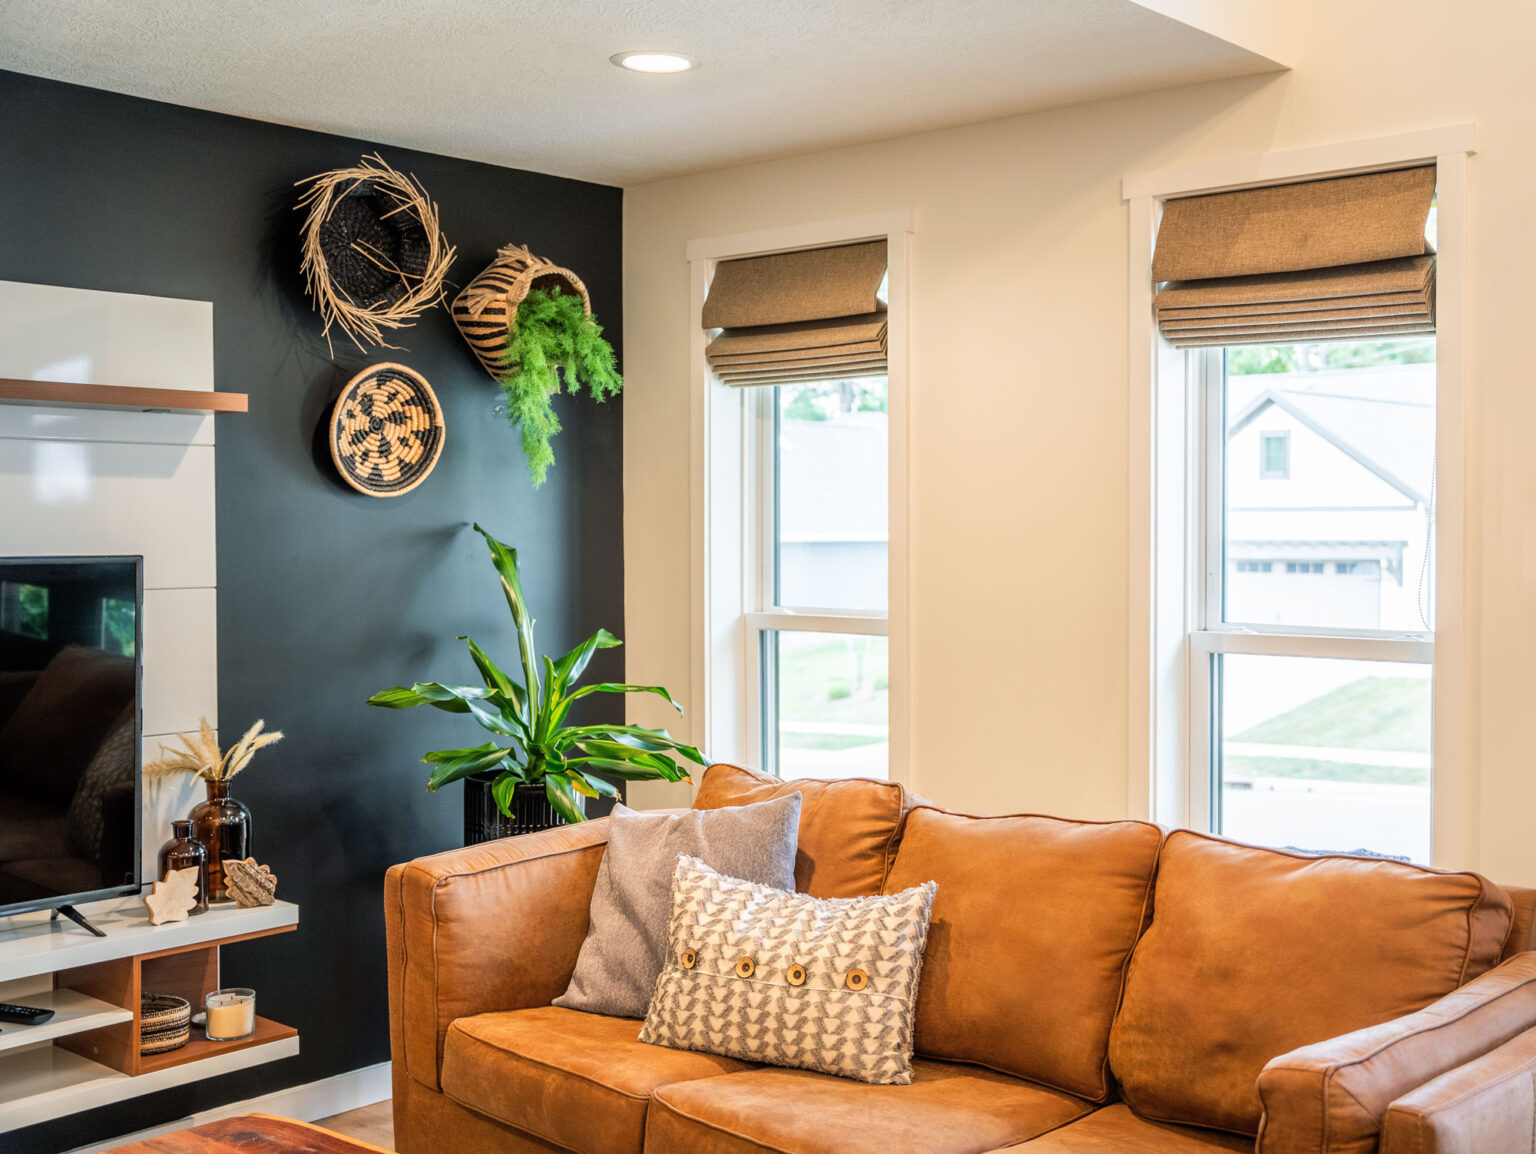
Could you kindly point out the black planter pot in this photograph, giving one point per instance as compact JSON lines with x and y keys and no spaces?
{"x":484,"y":821}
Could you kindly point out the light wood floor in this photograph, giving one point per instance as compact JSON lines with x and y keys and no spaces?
{"x":375,"y":1124}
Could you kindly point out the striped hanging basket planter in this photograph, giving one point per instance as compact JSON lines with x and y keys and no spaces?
{"x":486,"y":311}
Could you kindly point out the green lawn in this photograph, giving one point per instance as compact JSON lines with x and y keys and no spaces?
{"x":1387,"y":713}
{"x":811,"y":677}
{"x":827,"y":740}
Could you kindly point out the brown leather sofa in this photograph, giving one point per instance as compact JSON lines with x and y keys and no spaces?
{"x":1088,"y":988}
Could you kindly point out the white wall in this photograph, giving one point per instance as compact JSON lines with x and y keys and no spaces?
{"x":79,"y":481}
{"x":1019,"y":403}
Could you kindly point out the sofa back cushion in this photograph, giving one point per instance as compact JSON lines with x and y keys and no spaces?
{"x":1032,"y":927}
{"x":848,"y":829}
{"x":1253,"y":953}
{"x":1522,"y":928}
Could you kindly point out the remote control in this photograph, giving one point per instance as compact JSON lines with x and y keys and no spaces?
{"x":25,"y":1015}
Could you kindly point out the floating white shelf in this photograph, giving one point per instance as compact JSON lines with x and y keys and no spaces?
{"x":31,"y":944}
{"x":73,"y":1013}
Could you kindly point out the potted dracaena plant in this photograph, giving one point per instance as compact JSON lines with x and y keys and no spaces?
{"x":537,"y":769}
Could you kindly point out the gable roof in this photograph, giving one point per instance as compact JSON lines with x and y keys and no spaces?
{"x":1381,"y":418}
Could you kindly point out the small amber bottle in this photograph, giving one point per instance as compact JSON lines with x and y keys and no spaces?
{"x":182,"y":852}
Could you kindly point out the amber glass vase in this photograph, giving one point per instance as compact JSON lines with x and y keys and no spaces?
{"x":223,"y":825}
{"x":182,"y":852}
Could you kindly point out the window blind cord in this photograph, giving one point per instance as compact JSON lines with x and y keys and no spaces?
{"x":1429,"y":529}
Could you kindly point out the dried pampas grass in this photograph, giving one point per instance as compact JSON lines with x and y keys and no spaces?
{"x":201,"y":757}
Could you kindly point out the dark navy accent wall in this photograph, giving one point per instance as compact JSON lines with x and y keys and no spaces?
{"x":326,"y":595}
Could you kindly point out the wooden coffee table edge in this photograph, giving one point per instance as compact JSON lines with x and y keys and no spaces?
{"x":280,"y":1136}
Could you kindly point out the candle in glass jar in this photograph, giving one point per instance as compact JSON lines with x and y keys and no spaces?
{"x":231,"y":1014}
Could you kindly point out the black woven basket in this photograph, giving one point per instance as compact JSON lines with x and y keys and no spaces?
{"x":374,"y":252}
{"x":484,"y":821}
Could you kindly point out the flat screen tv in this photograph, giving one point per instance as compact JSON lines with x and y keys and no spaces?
{"x":71,"y":673}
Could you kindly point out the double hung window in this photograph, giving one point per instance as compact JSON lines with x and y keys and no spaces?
{"x":802,"y":404}
{"x":818,"y":627}
{"x":1303,"y":316}
{"x":1313,"y":653}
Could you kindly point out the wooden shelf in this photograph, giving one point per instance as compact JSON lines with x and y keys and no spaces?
{"x":19,"y":392}
{"x":200,"y":1047}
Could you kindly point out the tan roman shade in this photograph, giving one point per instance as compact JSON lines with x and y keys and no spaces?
{"x":1326,"y":260}
{"x":798,"y":316}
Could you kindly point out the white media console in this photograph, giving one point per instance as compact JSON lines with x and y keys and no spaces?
{"x":87,"y":1054}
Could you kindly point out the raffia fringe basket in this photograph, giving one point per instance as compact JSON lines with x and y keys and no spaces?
{"x":374,"y":257}
{"x":486,"y":311}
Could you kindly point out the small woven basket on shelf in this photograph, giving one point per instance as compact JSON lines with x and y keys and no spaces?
{"x":486,"y":311}
{"x":374,"y":257}
{"x":165,"y":1023}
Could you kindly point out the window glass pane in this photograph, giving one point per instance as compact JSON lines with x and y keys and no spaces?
{"x":1321,"y":754}
{"x":831,"y":499}
{"x":1328,"y":485}
{"x":829,"y":713}
{"x":119,"y":629}
{"x":24,"y":609}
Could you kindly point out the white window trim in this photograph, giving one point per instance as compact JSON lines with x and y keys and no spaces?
{"x":726,"y":561}
{"x":1167,"y":752}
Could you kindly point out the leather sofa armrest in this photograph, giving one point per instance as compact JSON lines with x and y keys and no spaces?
{"x":1331,"y":1097}
{"x":1485,"y":1106}
{"x":495,"y":926}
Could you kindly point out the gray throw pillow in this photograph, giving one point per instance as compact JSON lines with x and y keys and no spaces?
{"x":626,"y":940}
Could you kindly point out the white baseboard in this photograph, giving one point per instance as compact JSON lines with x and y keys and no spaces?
{"x":309,"y":1102}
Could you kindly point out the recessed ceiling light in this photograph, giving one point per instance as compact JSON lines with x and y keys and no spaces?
{"x":652,"y":61}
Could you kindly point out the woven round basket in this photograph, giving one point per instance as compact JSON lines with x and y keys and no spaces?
{"x":386,"y":430}
{"x":374,"y":258}
{"x":165,"y":1023}
{"x":486,"y":311}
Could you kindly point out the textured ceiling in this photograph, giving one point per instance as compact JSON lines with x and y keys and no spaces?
{"x":529,"y":84}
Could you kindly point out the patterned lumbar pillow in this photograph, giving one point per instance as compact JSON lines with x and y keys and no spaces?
{"x":771,"y":976}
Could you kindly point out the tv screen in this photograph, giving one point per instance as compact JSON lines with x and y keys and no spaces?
{"x":70,"y":675}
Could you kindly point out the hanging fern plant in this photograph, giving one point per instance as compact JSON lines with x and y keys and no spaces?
{"x":554,"y":336}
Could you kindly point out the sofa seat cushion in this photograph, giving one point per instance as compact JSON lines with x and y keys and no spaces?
{"x":1253,"y":953}
{"x":848,"y":829}
{"x":947,"y":1109}
{"x":581,"y":1081}
{"x":1033,"y":925}
{"x":1115,"y":1130}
